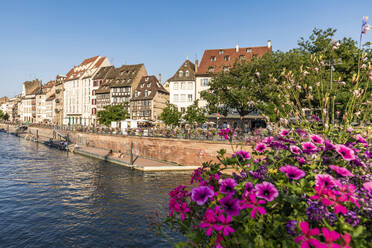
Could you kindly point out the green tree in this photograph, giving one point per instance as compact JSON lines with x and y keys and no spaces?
{"x":6,"y":116}
{"x":1,"y":114}
{"x":195,"y":114}
{"x":112,"y":113}
{"x":170,"y":115}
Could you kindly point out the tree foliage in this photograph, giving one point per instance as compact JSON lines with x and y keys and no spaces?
{"x":170,"y":115}
{"x":112,"y":113}
{"x":195,"y":114}
{"x":4,"y":116}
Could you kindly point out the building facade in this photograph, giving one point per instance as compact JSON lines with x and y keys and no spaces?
{"x":218,"y":60}
{"x":59,"y":99}
{"x":28,"y":103}
{"x":79,"y":92}
{"x":104,"y":77}
{"x":150,"y":98}
{"x":182,"y":86}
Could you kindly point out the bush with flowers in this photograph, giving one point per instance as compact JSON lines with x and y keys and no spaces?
{"x":294,"y":190}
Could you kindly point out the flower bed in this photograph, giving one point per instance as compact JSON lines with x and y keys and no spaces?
{"x":295,"y":190}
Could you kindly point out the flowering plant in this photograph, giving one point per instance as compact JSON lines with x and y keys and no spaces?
{"x":295,"y":189}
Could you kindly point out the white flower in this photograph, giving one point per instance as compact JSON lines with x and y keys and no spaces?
{"x":325,"y":111}
{"x":298,"y":87}
{"x":317,"y":84}
{"x":310,"y":88}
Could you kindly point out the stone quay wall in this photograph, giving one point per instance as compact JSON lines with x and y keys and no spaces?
{"x":179,"y":151}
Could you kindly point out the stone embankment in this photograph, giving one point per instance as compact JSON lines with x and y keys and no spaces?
{"x":165,"y":153}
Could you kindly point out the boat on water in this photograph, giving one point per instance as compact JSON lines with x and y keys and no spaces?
{"x":2,"y":130}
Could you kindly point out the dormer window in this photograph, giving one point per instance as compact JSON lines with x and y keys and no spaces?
{"x":142,"y":85}
{"x":227,"y":58}
{"x":187,"y":73}
{"x":249,"y":50}
{"x":148,"y":85}
{"x":146,"y":93}
{"x":213,"y":58}
{"x":211,"y":69}
{"x":220,"y":52}
{"x":180,"y":73}
{"x":147,"y":79}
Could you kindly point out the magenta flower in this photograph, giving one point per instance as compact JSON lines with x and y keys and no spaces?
{"x":308,"y":147}
{"x":360,"y":139}
{"x":182,"y":209}
{"x":267,"y":140}
{"x":324,"y":180}
{"x":301,"y":160}
{"x":347,"y":239}
{"x":368,"y":186}
{"x":230,"y":205}
{"x":295,"y":149}
{"x":292,"y":172}
{"x":254,"y":204}
{"x":342,"y":171}
{"x":261,"y":147}
{"x":243,"y":155}
{"x":226,"y":133}
{"x":284,"y":132}
{"x":317,"y":139}
{"x":346,"y":153}
{"x":227,"y":186}
{"x":225,"y":227}
{"x":201,"y":194}
{"x":209,"y":222}
{"x":307,"y":238}
{"x":266,"y":191}
{"x":329,"y":145}
{"x":330,"y":237}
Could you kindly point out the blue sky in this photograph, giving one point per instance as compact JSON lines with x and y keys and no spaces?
{"x":45,"y":38}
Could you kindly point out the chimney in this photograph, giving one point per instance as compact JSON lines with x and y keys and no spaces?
{"x":237,"y":48}
{"x":196,"y":65}
{"x":159,"y":78}
{"x":269,"y":43}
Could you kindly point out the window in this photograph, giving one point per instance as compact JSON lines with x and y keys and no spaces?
{"x":227,"y":58}
{"x":180,"y":73}
{"x":189,"y":97}
{"x":183,"y":85}
{"x":213,"y":58}
{"x":226,"y":69}
{"x":187,"y":73}
{"x":249,"y":50}
{"x":94,"y":111}
{"x":183,"y":98}
{"x":205,"y":82}
{"x":175,"y":97}
{"x":220,"y":52}
{"x":175,"y":86}
{"x":142,"y":85}
{"x":93,"y":92}
{"x":148,"y":85}
{"x":189,"y":85}
{"x":146,"y":93}
{"x":211,"y":69}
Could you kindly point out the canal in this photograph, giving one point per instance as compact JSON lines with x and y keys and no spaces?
{"x":50,"y":198}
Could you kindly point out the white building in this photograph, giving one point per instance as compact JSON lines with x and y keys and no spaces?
{"x":80,"y":92}
{"x":218,"y":60}
{"x":182,"y":86}
{"x":27,"y":110}
{"x":50,"y":105}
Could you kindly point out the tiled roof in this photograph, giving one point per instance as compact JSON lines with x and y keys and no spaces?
{"x":102,"y":72}
{"x":181,"y":74}
{"x":126,"y":74}
{"x":88,"y":64}
{"x":218,"y":59}
{"x":148,"y":83}
{"x":50,"y":84}
{"x":108,"y":76}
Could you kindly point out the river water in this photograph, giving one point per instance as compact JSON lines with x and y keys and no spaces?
{"x":50,"y":198}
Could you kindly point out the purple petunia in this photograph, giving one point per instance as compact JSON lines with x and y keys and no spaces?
{"x":201,"y":194}
{"x":231,"y":205}
{"x":342,"y":171}
{"x":227,"y":186}
{"x":329,"y":145}
{"x":266,"y":191}
{"x":292,"y":172}
{"x":317,"y":139}
{"x":346,"y":152}
{"x":308,"y":147}
{"x":284,"y":132}
{"x":261,"y":147}
{"x":243,"y":155}
{"x":324,"y":180}
{"x":295,"y":149}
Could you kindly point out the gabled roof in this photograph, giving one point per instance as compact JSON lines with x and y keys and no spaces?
{"x":218,"y":59}
{"x":186,"y":66}
{"x":149,"y":83}
{"x":80,"y":70}
{"x":126,"y":74}
{"x":108,"y":80}
{"x":102,"y":72}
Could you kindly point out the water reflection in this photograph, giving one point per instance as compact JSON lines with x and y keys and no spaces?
{"x":50,"y":198}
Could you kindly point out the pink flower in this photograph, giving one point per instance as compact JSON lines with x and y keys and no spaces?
{"x":266,"y":191}
{"x":368,"y":186}
{"x":324,"y":181}
{"x":182,"y":209}
{"x":309,"y":147}
{"x":342,"y":171}
{"x":306,"y":239}
{"x":360,"y":139}
{"x":292,"y":172}
{"x":209,"y":222}
{"x":261,"y":147}
{"x":347,"y":239}
{"x":345,"y":152}
{"x":295,"y":149}
{"x":227,"y":186}
{"x":225,"y":227}
{"x":317,"y":139}
{"x":284,"y":132}
{"x":254,"y":204}
{"x":330,"y":237}
{"x":267,"y":140}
